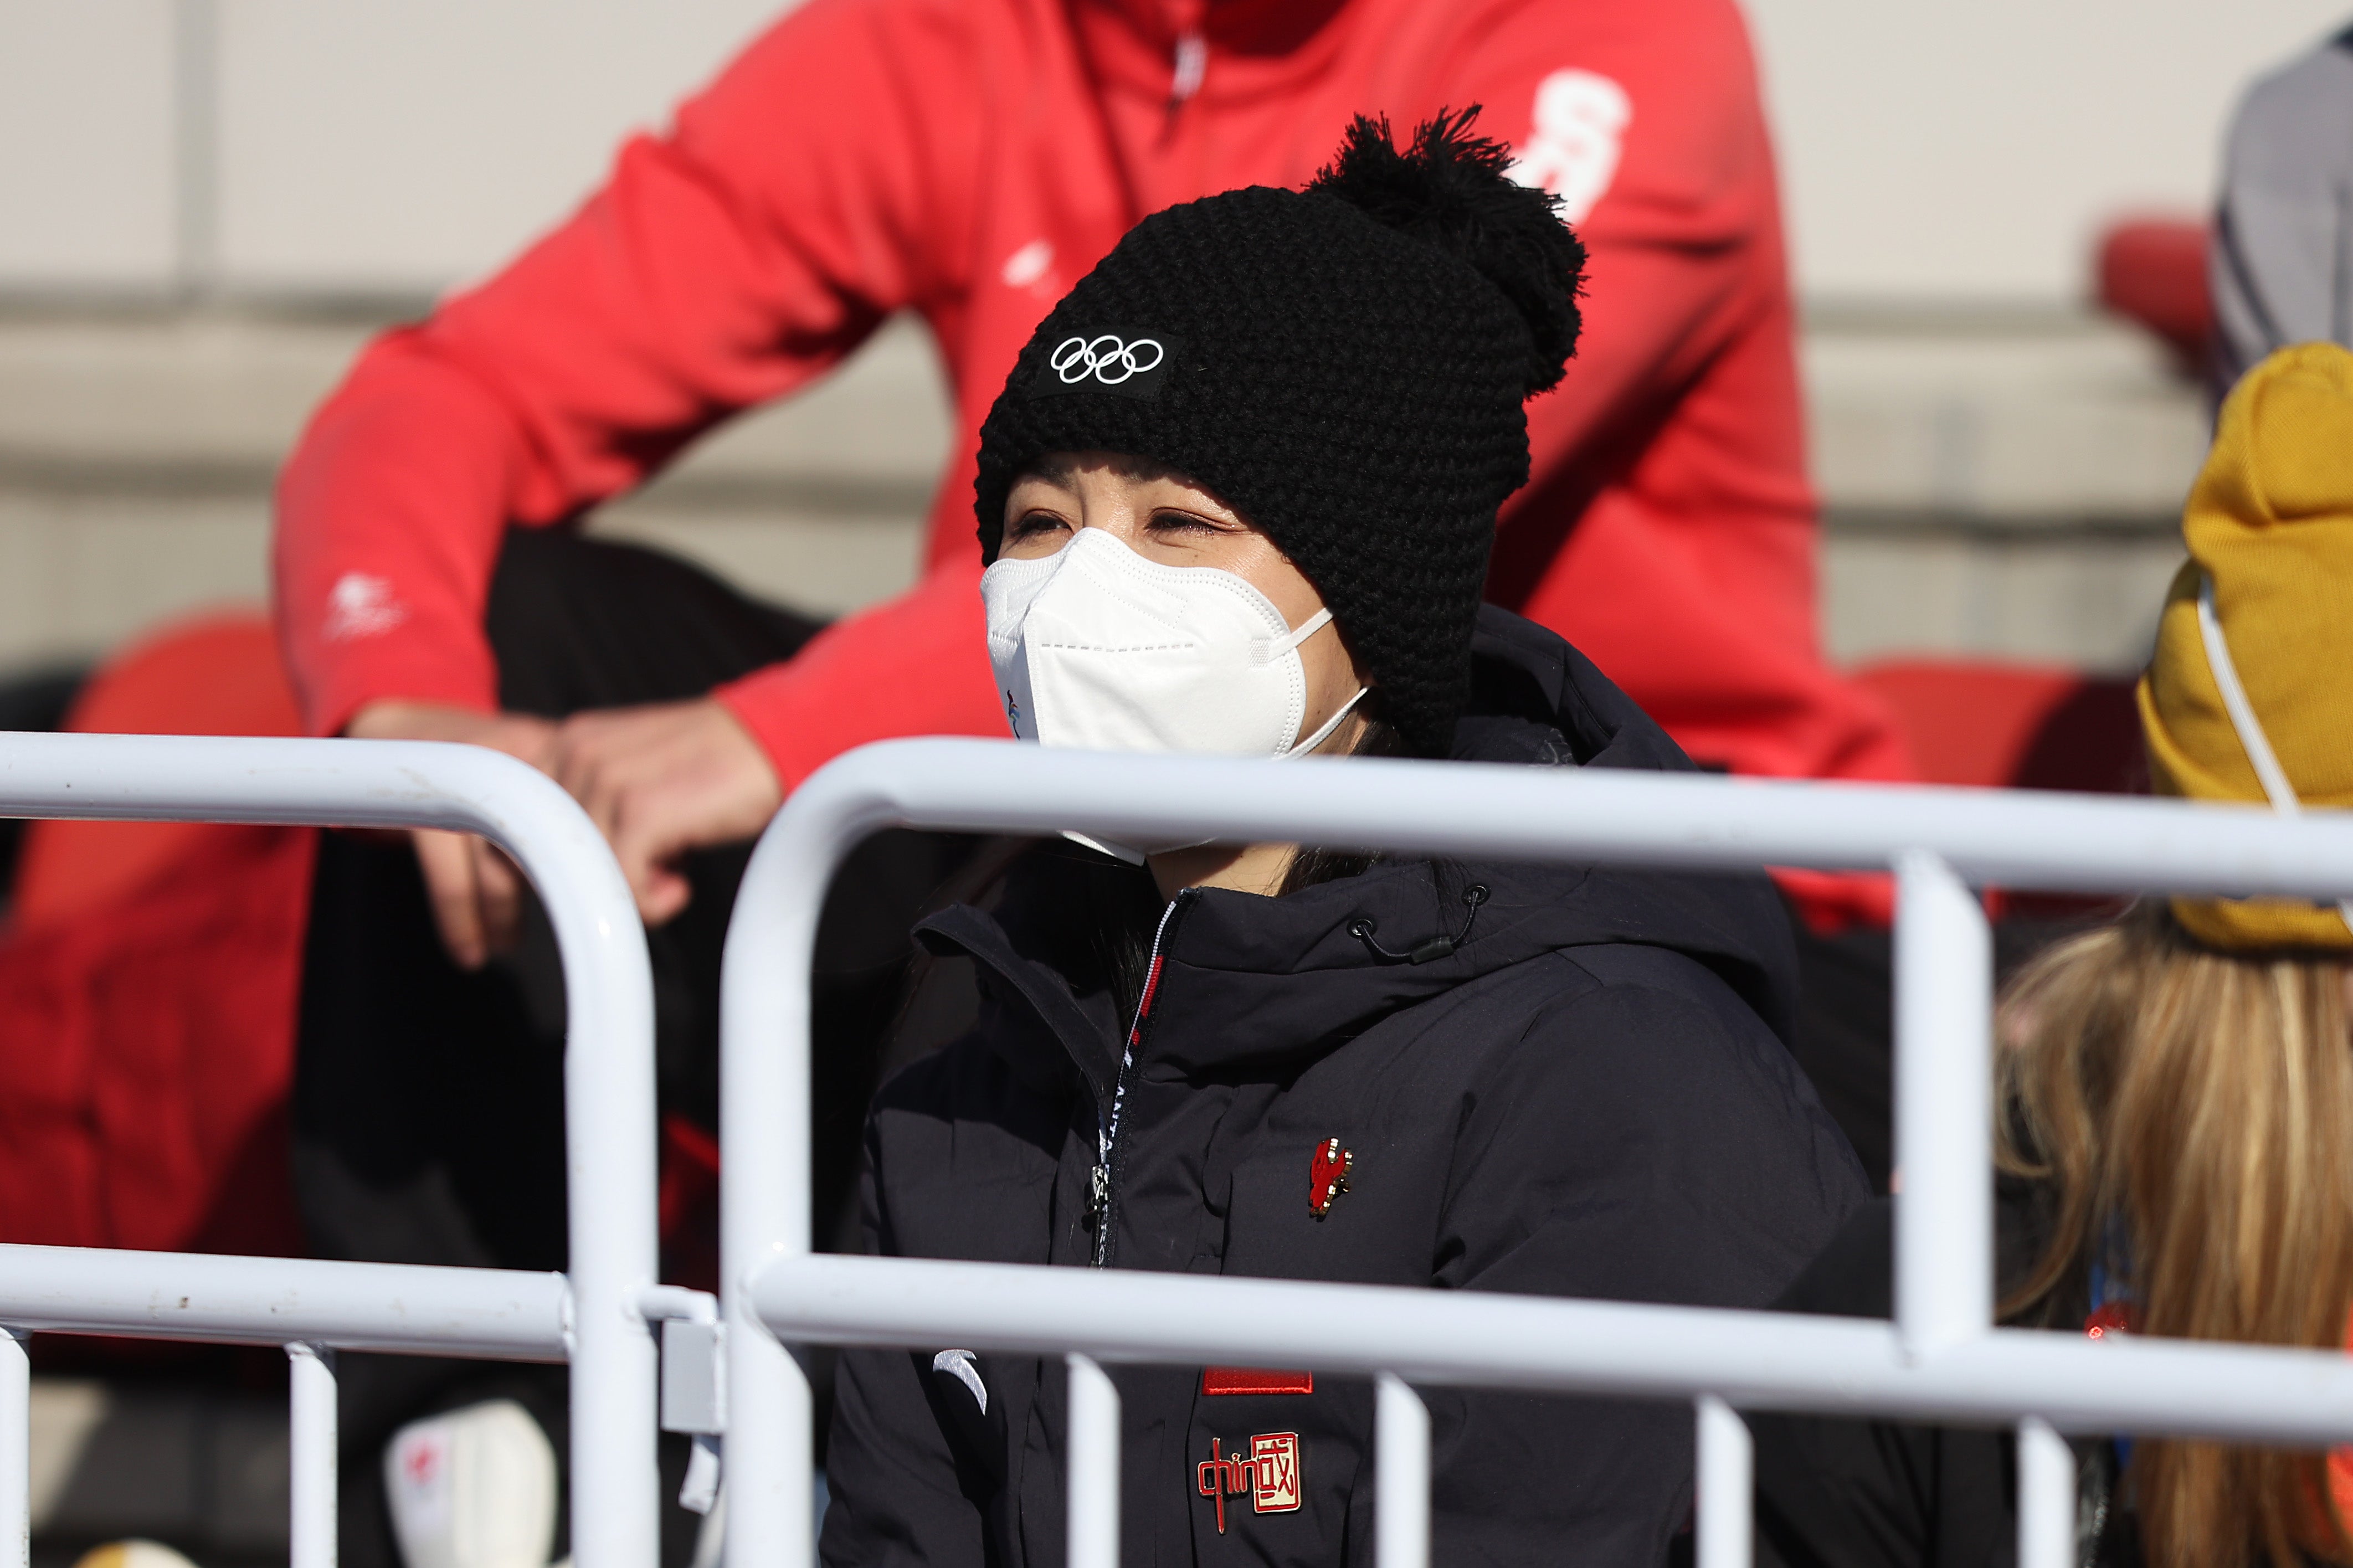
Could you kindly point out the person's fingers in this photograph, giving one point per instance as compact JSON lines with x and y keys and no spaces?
{"x":447,"y":860}
{"x":646,"y":843}
{"x":500,"y":895}
{"x":583,"y":759}
{"x":526,"y":736}
{"x":664,"y":896}
{"x":629,"y":778}
{"x":660,"y":781}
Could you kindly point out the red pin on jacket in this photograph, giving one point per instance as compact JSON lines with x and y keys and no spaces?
{"x":1217,"y":1477}
{"x":1327,"y":1176}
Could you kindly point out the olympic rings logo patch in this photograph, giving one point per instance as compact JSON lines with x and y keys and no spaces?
{"x":1113,"y":363}
{"x":1109,"y":359}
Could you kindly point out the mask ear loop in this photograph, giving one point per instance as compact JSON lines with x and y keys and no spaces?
{"x":1266,"y":650}
{"x":1323,"y":730}
{"x":2244,"y":723}
{"x":1273,"y":648}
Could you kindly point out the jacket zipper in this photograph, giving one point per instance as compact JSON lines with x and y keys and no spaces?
{"x":1190,"y":65}
{"x":1099,"y":1203}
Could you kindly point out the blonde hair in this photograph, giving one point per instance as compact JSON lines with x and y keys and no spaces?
{"x":2198,"y":1106}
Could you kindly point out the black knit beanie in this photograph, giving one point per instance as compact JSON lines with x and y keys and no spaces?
{"x":1344,"y":366}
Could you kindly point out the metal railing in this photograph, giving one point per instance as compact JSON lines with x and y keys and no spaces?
{"x":595,"y":1317}
{"x":1941,"y":1358}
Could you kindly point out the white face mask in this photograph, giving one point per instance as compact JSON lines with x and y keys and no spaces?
{"x":1098,"y":647}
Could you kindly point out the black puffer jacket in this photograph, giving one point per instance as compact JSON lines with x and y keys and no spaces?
{"x":1587,"y":1097}
{"x":1837,"y":1493}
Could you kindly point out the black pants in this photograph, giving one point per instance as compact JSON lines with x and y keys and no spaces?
{"x":428,"y":1102}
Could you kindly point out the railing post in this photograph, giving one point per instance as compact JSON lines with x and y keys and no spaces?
{"x":769,"y":1460}
{"x":16,"y":1449}
{"x":2046,"y":1496}
{"x":1400,"y":1475}
{"x":1725,"y":1505}
{"x":1944,"y":1108}
{"x":765,"y":1179}
{"x":312,"y":1437}
{"x":1093,"y":1473}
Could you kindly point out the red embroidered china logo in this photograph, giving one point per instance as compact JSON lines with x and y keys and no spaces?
{"x":1327,"y":1176}
{"x":1269,"y":1477}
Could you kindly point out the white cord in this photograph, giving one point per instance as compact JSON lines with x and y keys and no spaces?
{"x":2251,"y":739}
{"x":2242,"y":712}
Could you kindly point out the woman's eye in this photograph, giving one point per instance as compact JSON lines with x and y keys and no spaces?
{"x":1031,"y":524}
{"x":1171,"y":521}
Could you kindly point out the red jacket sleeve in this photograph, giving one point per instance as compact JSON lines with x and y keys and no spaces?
{"x":709,"y":274}
{"x":915,"y":666}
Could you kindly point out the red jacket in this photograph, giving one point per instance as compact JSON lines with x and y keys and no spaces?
{"x":969,"y":160}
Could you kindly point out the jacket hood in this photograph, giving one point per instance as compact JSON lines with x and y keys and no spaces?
{"x":1275,"y":982}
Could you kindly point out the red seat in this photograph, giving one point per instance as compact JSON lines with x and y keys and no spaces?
{"x":216,"y":675}
{"x":2153,"y":272}
{"x":2017,"y":726}
{"x":2013,"y":725}
{"x":147,"y":985}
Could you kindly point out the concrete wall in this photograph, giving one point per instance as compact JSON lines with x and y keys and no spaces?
{"x":310,"y":147}
{"x":344,"y":146}
{"x":1972,"y":150}
{"x":86,"y":185}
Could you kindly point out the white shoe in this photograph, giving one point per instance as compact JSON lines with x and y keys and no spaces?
{"x":133,"y":1554}
{"x":471,"y":1488}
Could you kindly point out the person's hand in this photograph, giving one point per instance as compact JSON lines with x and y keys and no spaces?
{"x":475,"y":890}
{"x":661,"y":780}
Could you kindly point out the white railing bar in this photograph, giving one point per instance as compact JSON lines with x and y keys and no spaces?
{"x":1091,"y":1480}
{"x":1723,"y":1511}
{"x":2046,"y":1496}
{"x":1401,"y":1474}
{"x":398,"y":1307}
{"x":310,"y":1445}
{"x":1762,"y":1360}
{"x":16,"y":1450}
{"x":1944,"y":1108}
{"x":608,"y":1068}
{"x":663,"y":1303}
{"x":2019,"y":838}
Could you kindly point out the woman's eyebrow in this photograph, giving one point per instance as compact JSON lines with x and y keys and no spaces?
{"x":1144,"y":470}
{"x":1053,"y":471}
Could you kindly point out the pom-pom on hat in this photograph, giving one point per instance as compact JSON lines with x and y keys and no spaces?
{"x":1344,"y":366}
{"x":2270,"y":529}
